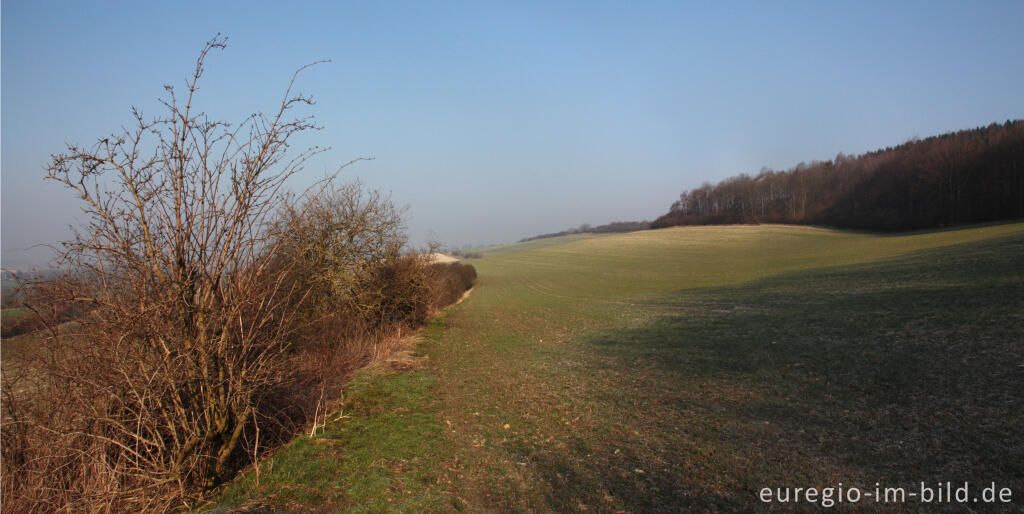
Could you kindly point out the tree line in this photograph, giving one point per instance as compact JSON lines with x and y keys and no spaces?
{"x":586,"y":228}
{"x":969,"y":176}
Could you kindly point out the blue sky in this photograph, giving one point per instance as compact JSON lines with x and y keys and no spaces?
{"x":496,"y":121}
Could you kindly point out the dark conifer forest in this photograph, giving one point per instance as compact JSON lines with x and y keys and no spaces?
{"x":970,"y":176}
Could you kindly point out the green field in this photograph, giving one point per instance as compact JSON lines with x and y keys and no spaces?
{"x":686,"y":369}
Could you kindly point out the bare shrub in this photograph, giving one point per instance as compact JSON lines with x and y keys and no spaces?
{"x":203,"y":314}
{"x":346,"y":248}
{"x":342,"y":246}
{"x":149,"y":395}
{"x":334,"y":243}
{"x":449,"y":282}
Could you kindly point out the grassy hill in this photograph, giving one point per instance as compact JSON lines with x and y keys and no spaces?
{"x":533,"y":244}
{"x":687,"y":368}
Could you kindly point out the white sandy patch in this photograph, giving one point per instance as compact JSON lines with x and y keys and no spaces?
{"x":443,"y":258}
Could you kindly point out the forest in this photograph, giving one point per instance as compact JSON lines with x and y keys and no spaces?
{"x":964,"y":177}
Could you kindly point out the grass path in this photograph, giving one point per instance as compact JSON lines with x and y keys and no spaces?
{"x":687,"y":368}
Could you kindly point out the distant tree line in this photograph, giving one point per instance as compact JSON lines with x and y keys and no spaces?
{"x":613,"y":227}
{"x":970,"y":176}
{"x":463,"y":254}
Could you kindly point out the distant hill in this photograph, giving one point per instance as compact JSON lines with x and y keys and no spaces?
{"x":613,"y":227}
{"x":970,"y":176}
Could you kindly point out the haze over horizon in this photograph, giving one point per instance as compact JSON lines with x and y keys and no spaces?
{"x":498,"y":122}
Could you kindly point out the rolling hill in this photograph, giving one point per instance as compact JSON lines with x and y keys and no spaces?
{"x":689,"y":368}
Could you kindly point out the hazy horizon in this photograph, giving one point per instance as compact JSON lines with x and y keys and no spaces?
{"x":499,"y":122}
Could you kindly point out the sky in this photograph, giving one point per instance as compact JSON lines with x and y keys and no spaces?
{"x":497,"y":121}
